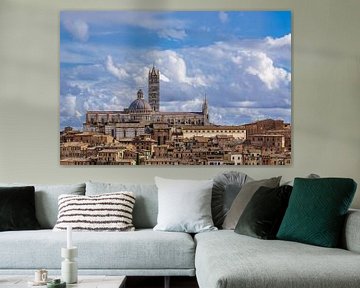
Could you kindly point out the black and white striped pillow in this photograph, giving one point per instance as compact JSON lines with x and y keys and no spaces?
{"x":105,"y":212}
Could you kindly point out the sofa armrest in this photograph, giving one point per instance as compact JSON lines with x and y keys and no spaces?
{"x":351,"y":234}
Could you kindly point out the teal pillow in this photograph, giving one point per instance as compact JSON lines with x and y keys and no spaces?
{"x":316,"y":211}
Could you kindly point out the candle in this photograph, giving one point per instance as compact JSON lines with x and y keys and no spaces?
{"x":69,"y":239}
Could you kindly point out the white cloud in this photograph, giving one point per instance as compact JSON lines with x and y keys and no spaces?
{"x":68,"y":107}
{"x":263,"y":67}
{"x":174,"y":69}
{"x":164,"y":78}
{"x":78,"y":29}
{"x":229,"y":116}
{"x":278,"y":49}
{"x":243,"y":104}
{"x":116,"y":71}
{"x":223,"y":17}
{"x":174,"y":27}
{"x":184,"y":106}
{"x":279,"y":42}
{"x":176,"y":34}
{"x":153,"y":21}
{"x":245,"y":80}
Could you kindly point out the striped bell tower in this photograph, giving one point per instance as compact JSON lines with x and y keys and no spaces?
{"x":154,"y":89}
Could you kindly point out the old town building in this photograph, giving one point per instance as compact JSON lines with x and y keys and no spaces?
{"x":142,"y":134}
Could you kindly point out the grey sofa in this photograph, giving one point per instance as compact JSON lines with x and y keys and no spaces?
{"x":226,"y":259}
{"x":218,"y":259}
{"x":143,"y":252}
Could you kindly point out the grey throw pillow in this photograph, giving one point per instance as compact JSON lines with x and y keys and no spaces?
{"x":263,"y":215}
{"x":310,"y":176}
{"x":226,"y":187}
{"x":184,"y":205}
{"x":105,"y":212}
{"x":146,"y":205}
{"x":242,"y":199}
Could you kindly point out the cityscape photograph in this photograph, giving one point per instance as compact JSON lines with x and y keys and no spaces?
{"x":175,"y":88}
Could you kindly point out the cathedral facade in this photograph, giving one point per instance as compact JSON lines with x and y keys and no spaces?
{"x":141,"y":115}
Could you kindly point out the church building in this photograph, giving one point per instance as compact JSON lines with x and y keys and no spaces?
{"x":141,"y":115}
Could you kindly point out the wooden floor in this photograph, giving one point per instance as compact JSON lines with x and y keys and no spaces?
{"x":158,"y":282}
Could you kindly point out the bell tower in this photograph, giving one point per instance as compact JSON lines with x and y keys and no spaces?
{"x":205,"y":111}
{"x":154,"y":88}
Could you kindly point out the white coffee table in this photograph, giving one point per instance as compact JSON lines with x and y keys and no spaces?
{"x":84,"y":281}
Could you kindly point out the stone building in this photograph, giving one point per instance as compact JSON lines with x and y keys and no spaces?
{"x":265,"y":125}
{"x":237,"y":132}
{"x":268,"y":140}
{"x":141,"y":114}
{"x":237,"y":158}
{"x":73,"y":150}
{"x":154,"y":89}
{"x":110,"y":156}
{"x":142,"y":134}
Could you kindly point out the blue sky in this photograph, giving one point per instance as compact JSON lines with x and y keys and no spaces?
{"x":241,"y":60}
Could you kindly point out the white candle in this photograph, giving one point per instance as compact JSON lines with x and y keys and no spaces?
{"x":69,"y":239}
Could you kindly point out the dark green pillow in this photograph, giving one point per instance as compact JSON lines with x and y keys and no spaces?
{"x":316,"y":211}
{"x":17,"y":208}
{"x":264,"y":212}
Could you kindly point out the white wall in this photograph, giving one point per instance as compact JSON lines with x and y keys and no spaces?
{"x":326,"y":90}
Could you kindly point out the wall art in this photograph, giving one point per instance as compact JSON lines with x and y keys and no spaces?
{"x":175,"y":88}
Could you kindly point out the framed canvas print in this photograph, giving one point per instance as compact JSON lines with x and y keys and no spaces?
{"x":175,"y":88}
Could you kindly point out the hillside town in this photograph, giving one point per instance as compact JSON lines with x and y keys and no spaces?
{"x":142,"y":134}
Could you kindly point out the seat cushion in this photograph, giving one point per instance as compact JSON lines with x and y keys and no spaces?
{"x":144,"y":249}
{"x":351,"y":236}
{"x":226,"y":259}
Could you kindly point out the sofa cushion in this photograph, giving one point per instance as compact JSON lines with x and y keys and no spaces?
{"x":105,"y":212}
{"x":263,"y":215}
{"x":243,"y":198}
{"x":311,"y":176}
{"x":226,"y":187}
{"x":317,"y":209}
{"x":350,"y":239}
{"x":46,"y":200}
{"x":17,"y":208}
{"x":184,"y":205}
{"x":146,"y":205}
{"x":138,"y":250}
{"x":225,"y":259}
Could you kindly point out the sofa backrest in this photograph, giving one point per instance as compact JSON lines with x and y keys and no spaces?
{"x":46,"y":200}
{"x":351,"y":237}
{"x":146,"y":203}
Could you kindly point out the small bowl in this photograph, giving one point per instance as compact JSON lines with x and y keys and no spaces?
{"x":56,"y":283}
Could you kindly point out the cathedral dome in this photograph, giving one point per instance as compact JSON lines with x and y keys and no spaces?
{"x":140,"y":104}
